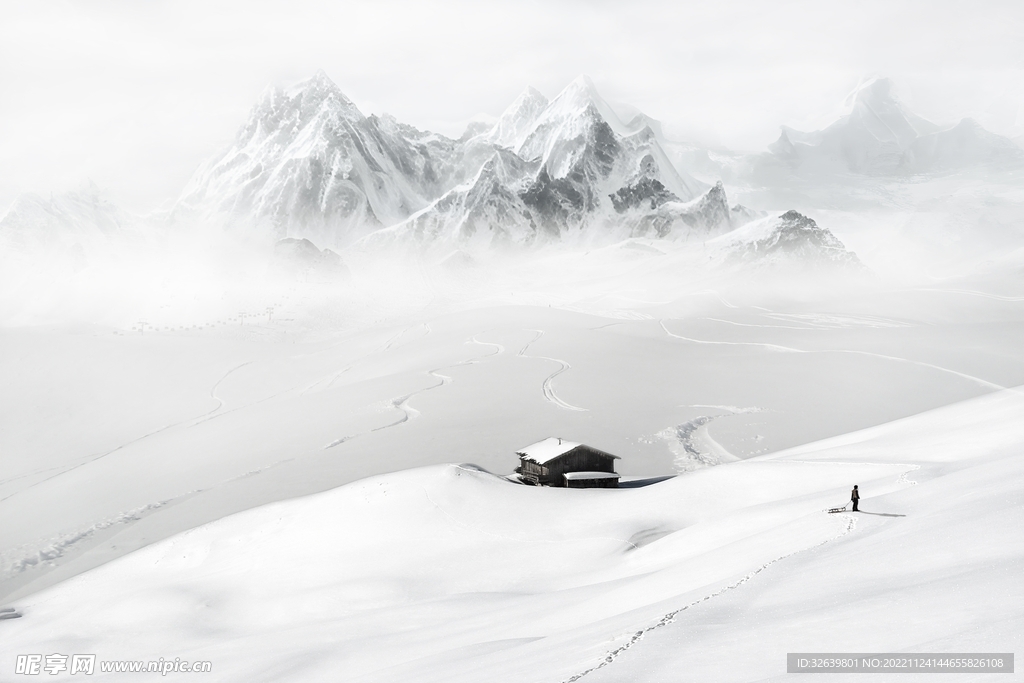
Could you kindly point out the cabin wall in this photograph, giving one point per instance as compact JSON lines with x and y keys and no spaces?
{"x":579,"y":459}
{"x":532,"y":472}
{"x":593,"y":483}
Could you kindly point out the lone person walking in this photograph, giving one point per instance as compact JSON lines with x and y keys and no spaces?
{"x":855,"y":497}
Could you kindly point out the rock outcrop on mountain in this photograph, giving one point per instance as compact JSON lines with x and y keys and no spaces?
{"x":704,"y":217}
{"x":780,"y":239}
{"x":487,"y":211}
{"x":301,"y":260}
{"x":580,"y":140}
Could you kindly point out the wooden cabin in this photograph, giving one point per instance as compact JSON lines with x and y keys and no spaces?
{"x":558,"y":462}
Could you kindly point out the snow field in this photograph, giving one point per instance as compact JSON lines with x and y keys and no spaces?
{"x":172,"y":432}
{"x":449,"y":570}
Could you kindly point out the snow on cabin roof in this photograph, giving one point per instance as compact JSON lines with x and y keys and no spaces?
{"x":547,"y":450}
{"x":550,"y":448}
{"x":590,"y":475}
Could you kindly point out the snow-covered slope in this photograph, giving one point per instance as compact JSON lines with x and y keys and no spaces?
{"x":517,"y":120}
{"x":308,"y":163}
{"x":487,"y":211}
{"x":448,"y":573}
{"x":872,"y":136}
{"x":302,"y":260}
{"x":879,"y":134}
{"x":966,"y":144}
{"x":68,"y":223}
{"x":789,"y":238}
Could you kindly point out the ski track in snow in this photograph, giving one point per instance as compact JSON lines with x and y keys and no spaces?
{"x":213,"y":390}
{"x":736,"y":410}
{"x":402,"y":402}
{"x":670,"y":617}
{"x":836,"y":322}
{"x":86,"y":460}
{"x":788,"y":349}
{"x":770,"y":347}
{"x":904,"y":479}
{"x":774,"y":327}
{"x":387,"y":345}
{"x":967,"y":292}
{"x":817,"y":321}
{"x":983,"y":382}
{"x":546,"y":387}
{"x":20,"y":559}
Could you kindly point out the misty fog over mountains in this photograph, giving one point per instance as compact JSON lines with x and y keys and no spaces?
{"x":307,"y":164}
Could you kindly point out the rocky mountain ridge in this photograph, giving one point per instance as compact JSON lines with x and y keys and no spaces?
{"x":307,"y":164}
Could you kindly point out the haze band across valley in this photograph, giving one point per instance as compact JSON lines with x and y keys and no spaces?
{"x":568,"y":396}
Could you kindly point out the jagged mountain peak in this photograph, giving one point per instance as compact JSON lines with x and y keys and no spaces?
{"x":531,"y":93}
{"x":579,"y":134}
{"x":877,"y":89}
{"x":870,"y":135}
{"x":581,"y":98}
{"x":875,"y":106}
{"x":318,"y":88}
{"x":299,"y":104}
{"x":581,"y":87}
{"x":880,"y":134}
{"x":518,"y":119}
{"x":309,"y":164}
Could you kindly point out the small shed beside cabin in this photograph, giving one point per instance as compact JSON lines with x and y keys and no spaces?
{"x":558,"y":462}
{"x":591,"y":480}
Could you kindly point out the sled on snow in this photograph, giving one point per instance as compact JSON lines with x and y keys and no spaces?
{"x":832,"y":511}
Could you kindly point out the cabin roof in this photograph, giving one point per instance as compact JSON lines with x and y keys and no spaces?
{"x":550,"y":448}
{"x":590,"y":475}
{"x":547,"y":450}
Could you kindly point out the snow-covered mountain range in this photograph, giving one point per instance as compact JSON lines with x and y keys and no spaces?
{"x":67,"y":224}
{"x":308,"y":164}
{"x":879,"y":134}
{"x":568,"y":169}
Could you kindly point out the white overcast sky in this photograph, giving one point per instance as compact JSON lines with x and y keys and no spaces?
{"x":134,"y":95}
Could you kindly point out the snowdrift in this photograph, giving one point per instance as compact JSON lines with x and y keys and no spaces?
{"x":449,"y":573}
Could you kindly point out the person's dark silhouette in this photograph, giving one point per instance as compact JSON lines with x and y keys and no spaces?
{"x":855,"y":497}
